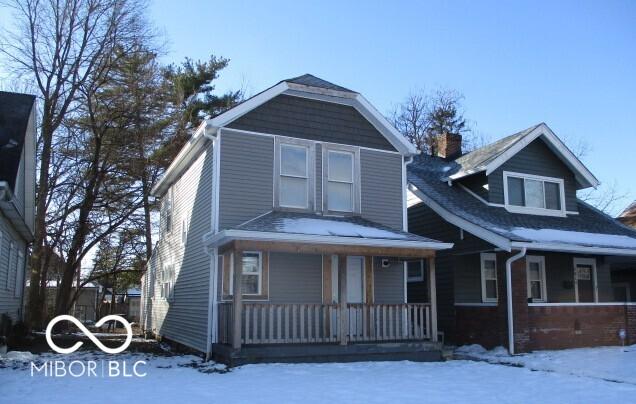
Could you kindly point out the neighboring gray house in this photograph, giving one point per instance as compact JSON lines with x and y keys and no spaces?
{"x":532,"y":266}
{"x":17,"y":195}
{"x":283,"y":223}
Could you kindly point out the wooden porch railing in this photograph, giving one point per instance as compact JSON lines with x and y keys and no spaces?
{"x":264,"y":323}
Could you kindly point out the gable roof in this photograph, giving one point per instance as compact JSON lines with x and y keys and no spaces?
{"x":15,"y":111}
{"x":591,"y":231}
{"x":319,"y":229}
{"x":306,"y":86}
{"x":313,"y":81}
{"x":490,"y":157}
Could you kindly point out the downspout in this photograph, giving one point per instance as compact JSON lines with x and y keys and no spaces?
{"x":405,"y":220}
{"x":509,"y":261}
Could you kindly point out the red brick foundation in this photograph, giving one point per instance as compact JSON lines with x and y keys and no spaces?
{"x":478,"y":325}
{"x":559,"y":327}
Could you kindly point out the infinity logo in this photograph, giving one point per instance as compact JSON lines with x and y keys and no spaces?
{"x":89,"y":334}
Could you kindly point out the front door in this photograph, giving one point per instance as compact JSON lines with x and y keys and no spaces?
{"x":355,"y":280}
{"x":584,"y":280}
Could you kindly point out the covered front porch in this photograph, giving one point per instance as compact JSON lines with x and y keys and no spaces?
{"x":361,"y":315}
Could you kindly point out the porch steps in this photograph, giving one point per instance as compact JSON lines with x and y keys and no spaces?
{"x":323,"y":353}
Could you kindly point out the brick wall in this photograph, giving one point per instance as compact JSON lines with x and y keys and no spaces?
{"x":559,"y":327}
{"x":478,"y":325}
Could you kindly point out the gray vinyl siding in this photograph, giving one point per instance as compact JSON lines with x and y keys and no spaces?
{"x":246,"y":180}
{"x":468,"y":279}
{"x":184,"y":319}
{"x":9,"y":303}
{"x":295,"y":278}
{"x":381,"y":187}
{"x":314,"y":120}
{"x":476,"y":184}
{"x":535,"y":159}
{"x":388,"y":283}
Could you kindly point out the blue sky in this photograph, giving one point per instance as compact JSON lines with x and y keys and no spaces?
{"x":569,"y":64}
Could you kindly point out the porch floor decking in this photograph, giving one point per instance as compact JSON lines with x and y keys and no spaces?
{"x":424,"y":351}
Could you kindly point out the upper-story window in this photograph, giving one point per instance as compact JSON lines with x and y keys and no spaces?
{"x":167,"y":211}
{"x":525,"y":193}
{"x":294,"y":174}
{"x":341,"y":183}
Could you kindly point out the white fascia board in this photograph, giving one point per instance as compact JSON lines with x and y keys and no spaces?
{"x":190,"y":150}
{"x":583,"y":174}
{"x":478,"y":231}
{"x":572,"y":248}
{"x":384,"y":126}
{"x":229,"y":235}
{"x":248,"y":105}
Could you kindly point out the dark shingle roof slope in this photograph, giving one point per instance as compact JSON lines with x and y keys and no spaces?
{"x":313,"y":81}
{"x":477,"y":160}
{"x":15,"y":110}
{"x":589,"y":228}
{"x":318,"y":225}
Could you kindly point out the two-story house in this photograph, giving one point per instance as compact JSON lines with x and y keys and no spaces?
{"x":17,"y":197}
{"x":532,"y":266}
{"x":284,"y":234}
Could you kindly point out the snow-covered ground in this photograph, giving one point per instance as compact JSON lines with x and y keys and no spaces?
{"x":185,"y":379}
{"x":609,"y":363}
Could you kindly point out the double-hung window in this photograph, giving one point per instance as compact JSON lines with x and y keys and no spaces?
{"x":535,"y":273}
{"x":340,"y":178}
{"x":167,"y":211}
{"x":295,"y":173}
{"x":167,"y":281}
{"x":524,"y":193}
{"x":488,"y":277}
{"x":19,"y":275}
{"x":252,"y":275}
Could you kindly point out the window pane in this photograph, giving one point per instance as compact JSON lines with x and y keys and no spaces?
{"x":250,"y":263}
{"x":293,"y":192}
{"x":414,"y":269}
{"x":552,"y":195}
{"x":249,"y":284}
{"x":340,"y":197}
{"x":515,"y":191}
{"x":491,"y":289}
{"x":534,"y":273}
{"x":293,"y":160}
{"x":534,"y":193}
{"x":535,"y":290}
{"x":489,"y":273}
{"x":341,"y":166}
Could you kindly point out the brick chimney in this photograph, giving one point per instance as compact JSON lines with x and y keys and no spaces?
{"x":448,"y":146}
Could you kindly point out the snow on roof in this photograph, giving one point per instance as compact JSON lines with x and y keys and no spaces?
{"x":575,"y":237}
{"x":326,"y":227}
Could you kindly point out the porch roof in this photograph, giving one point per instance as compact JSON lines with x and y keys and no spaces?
{"x":589,"y":231}
{"x":295,"y":227}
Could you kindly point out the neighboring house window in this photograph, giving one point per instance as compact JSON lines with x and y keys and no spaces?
{"x":294,"y":168}
{"x":167,"y":281}
{"x":535,"y":272}
{"x":415,"y":271}
{"x":524,"y":193}
{"x":488,"y":277}
{"x":19,"y":277}
{"x":10,"y":266}
{"x":252,"y":277}
{"x":341,"y":184}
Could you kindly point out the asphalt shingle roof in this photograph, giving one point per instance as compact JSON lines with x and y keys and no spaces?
{"x":314,"y":224}
{"x":15,"y":110}
{"x":313,"y":81}
{"x":427,"y":174}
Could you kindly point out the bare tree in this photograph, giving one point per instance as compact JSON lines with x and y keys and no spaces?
{"x":62,"y":47}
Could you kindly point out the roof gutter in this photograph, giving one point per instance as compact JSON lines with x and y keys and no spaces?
{"x":511,"y":335}
{"x":574,"y":248}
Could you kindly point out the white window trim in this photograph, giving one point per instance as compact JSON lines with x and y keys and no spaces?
{"x":11,"y":264}
{"x":541,"y":260}
{"x":328,"y":147}
{"x":483,"y":258}
{"x":418,"y":278}
{"x":585,"y":261}
{"x":170,"y":201}
{"x":260,"y":274}
{"x":163,"y":281}
{"x":311,"y":171}
{"x":20,"y":269}
{"x":532,"y":210}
